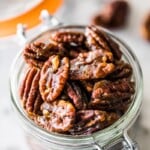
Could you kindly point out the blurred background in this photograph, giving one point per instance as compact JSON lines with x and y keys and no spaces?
{"x":68,"y":12}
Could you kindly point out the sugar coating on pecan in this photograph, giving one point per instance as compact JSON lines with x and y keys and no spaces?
{"x":37,"y":53}
{"x":69,"y":37}
{"x":54,"y":75}
{"x":113,"y":15}
{"x":29,"y":91}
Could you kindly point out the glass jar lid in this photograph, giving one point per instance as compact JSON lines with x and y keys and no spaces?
{"x":25,"y":12}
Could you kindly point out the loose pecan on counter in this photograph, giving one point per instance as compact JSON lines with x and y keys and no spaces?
{"x":113,"y":15}
{"x":145,"y":28}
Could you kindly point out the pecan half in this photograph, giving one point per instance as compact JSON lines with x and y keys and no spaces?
{"x":29,"y":91}
{"x":90,"y":65}
{"x":89,"y":121}
{"x":77,"y":95}
{"x":113,"y":15}
{"x":97,"y":39}
{"x":60,"y":116}
{"x":109,"y":93}
{"x":35,"y":54}
{"x":54,"y":74}
{"x":77,"y":38}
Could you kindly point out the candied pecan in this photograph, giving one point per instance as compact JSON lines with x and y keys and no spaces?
{"x":113,"y":15}
{"x":69,"y":37}
{"x":89,"y":57}
{"x":145,"y":28}
{"x":109,"y":93}
{"x":60,"y":116}
{"x":29,"y":91}
{"x":77,"y":95}
{"x":122,"y":70}
{"x":94,"y":70}
{"x":54,"y":74}
{"x":90,"y":65}
{"x":97,"y":39}
{"x":37,"y":53}
{"x":89,"y":121}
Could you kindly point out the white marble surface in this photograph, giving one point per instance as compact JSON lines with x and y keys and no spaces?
{"x":79,"y":12}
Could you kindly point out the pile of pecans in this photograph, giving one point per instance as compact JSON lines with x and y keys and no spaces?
{"x":76,"y":83}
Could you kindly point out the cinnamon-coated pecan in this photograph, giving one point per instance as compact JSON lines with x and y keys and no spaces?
{"x":77,"y":38}
{"x":35,"y":54}
{"x":29,"y":91}
{"x":54,"y":74}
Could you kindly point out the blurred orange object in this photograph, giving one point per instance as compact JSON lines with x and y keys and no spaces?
{"x":30,"y":17}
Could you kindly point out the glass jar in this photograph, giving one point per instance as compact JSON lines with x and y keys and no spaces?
{"x":114,"y":137}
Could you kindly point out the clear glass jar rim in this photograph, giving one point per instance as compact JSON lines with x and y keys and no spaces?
{"x":119,"y":126}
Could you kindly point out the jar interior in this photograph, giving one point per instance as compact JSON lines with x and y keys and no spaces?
{"x":110,"y":132}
